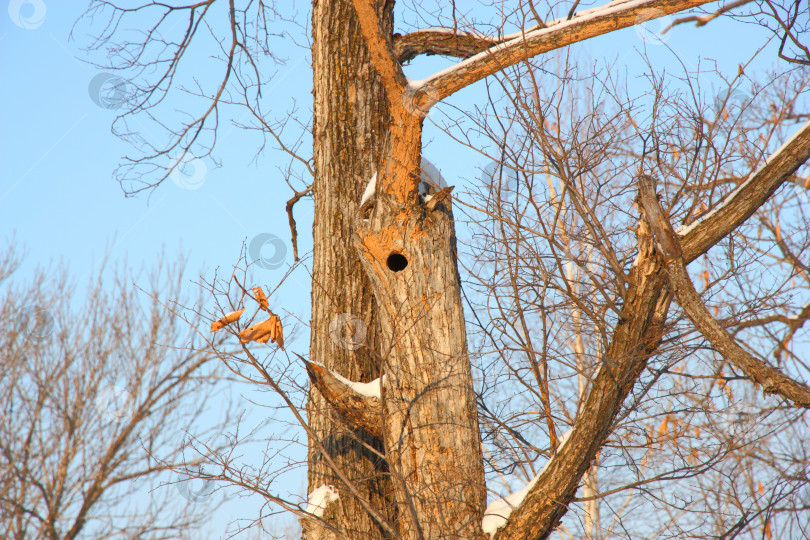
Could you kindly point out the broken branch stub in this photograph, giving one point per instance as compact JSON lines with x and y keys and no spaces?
{"x":358,"y":410}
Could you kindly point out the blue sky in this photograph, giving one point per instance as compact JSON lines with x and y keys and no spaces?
{"x":57,"y":192}
{"x":59,"y":199}
{"x":58,"y":195}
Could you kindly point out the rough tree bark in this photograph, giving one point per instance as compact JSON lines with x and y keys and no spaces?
{"x":437,"y":472}
{"x":430,"y":426}
{"x":351,"y":118}
{"x":409,"y":463}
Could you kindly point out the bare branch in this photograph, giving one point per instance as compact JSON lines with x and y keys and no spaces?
{"x":635,"y":339}
{"x":293,"y":228}
{"x":555,"y":35}
{"x":702,"y":20}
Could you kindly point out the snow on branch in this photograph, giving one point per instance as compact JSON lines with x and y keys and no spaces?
{"x":772,"y":380}
{"x":740,"y":204}
{"x":357,"y":403}
{"x":371,"y":188}
{"x":431,"y":180}
{"x":369,"y":389}
{"x":554,"y":35}
{"x":497,"y":513}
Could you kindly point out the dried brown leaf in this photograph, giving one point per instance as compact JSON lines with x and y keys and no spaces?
{"x":229,"y":318}
{"x":261,"y":299}
{"x":268,"y":330}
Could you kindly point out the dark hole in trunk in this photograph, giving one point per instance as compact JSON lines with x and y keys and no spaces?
{"x":397,"y":262}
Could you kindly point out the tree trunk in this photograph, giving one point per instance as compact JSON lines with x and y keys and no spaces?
{"x":432,"y":440}
{"x":416,"y":326}
{"x":350,"y":114}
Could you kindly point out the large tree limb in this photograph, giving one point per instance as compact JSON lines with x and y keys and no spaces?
{"x":359,"y":410}
{"x":557,"y":34}
{"x":740,"y":204}
{"x":635,"y":339}
{"x":440,"y":41}
{"x":380,"y":50}
{"x":772,"y":380}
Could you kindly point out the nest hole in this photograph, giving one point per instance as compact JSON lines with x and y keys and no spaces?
{"x":397,"y":262}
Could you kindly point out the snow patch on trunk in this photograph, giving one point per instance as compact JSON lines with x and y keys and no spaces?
{"x":320,"y":498}
{"x":370,"y":189}
{"x":430,"y":177}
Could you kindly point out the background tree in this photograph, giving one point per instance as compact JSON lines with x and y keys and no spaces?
{"x":542,"y":277}
{"x":101,"y":400}
{"x":408,"y":462}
